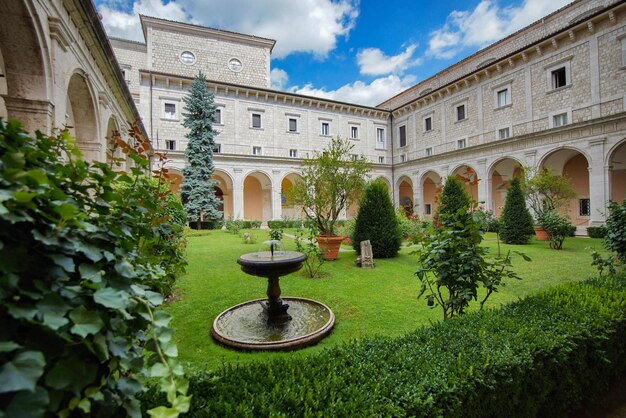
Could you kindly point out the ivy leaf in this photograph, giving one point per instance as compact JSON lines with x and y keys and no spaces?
{"x":65,"y":262}
{"x":71,"y":374}
{"x":27,"y":404}
{"x":124,"y":268}
{"x":163,"y":412}
{"x":85,"y":322}
{"x":90,"y":272}
{"x":111,"y":298}
{"x":22,"y":372}
{"x":53,"y":309}
{"x":65,"y":210}
{"x":154,"y":298}
{"x":159,"y":370}
{"x":24,"y":197}
{"x":8,"y":346}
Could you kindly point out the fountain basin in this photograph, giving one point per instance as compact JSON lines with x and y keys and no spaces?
{"x":245,"y":326}
{"x":263,"y":264}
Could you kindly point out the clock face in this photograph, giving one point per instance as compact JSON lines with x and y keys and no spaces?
{"x":235,"y":65}
{"x":187,"y":57}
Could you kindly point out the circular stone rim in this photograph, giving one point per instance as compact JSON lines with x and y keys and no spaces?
{"x":292,"y":343}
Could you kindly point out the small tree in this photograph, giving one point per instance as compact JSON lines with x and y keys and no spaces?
{"x":330,"y":183}
{"x":452,"y":200}
{"x":453,"y":265}
{"x":198,"y":187}
{"x":615,"y":239}
{"x":546,"y":191}
{"x":516,"y":223}
{"x":377,"y":222}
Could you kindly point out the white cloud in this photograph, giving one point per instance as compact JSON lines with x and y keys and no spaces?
{"x":373,"y":61}
{"x":359,"y":92}
{"x":487,"y":23}
{"x":278,"y":78}
{"x":312,"y":26}
{"x":126,"y":25}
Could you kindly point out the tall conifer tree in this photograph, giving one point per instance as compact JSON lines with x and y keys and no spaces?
{"x":198,"y":187}
{"x":516,"y":223}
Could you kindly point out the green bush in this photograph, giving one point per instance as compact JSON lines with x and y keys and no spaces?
{"x":376,"y":222}
{"x":545,"y":355}
{"x":516,"y":222}
{"x":284,"y":223}
{"x":615,"y":239}
{"x":453,"y":200}
{"x":215,"y":224}
{"x":80,"y":329}
{"x":558,"y":228}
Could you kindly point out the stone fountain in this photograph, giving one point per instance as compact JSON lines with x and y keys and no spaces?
{"x":274,"y":323}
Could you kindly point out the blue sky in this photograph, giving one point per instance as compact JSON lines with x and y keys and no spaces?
{"x":355,"y":51}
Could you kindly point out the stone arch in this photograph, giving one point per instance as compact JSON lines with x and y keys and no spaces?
{"x":405,"y":194}
{"x":617,"y":176}
{"x":27,"y":67}
{"x":431,"y":184}
{"x":288,"y":209}
{"x":81,"y":116}
{"x":469,"y":177}
{"x":224,"y":192}
{"x":574,"y":164}
{"x":257,"y":196}
{"x":175,"y":178}
{"x":387,"y":184}
{"x":500,"y":174}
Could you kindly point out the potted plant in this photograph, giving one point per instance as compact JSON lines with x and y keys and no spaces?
{"x":330,"y":182}
{"x":546,"y":192}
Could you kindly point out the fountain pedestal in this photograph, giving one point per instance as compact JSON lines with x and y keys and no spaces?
{"x":274,"y":306}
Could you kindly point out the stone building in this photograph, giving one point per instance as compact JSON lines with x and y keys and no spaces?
{"x":57,"y":69}
{"x":550,"y":95}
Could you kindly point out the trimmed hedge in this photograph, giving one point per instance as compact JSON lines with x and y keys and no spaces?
{"x":596,"y":231}
{"x":544,"y":355}
{"x":207,"y":224}
{"x":284,"y":223}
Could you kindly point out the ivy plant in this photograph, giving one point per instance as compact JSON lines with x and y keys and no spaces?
{"x":81,"y":330}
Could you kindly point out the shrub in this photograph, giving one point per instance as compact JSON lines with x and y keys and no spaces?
{"x":516,"y":222}
{"x":545,"y":355}
{"x":306,"y":244}
{"x":453,"y":200}
{"x":376,"y":222}
{"x":558,"y":227}
{"x":80,"y":329}
{"x":615,"y":239}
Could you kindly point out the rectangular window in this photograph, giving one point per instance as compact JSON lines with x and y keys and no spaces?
{"x":256,"y":150}
{"x":293,"y":153}
{"x":559,"y":78}
{"x":217,"y":116}
{"x":460,"y":112}
{"x":293,"y":125}
{"x":461,"y":143}
{"x":169,"y":110}
{"x":403,"y":158}
{"x":584,"y":207}
{"x":402,"y":135}
{"x":504,"y":133}
{"x":354,"y":132}
{"x":381,"y":160}
{"x":380,"y":138}
{"x":217,"y":148}
{"x":256,"y":120}
{"x":428,"y":124}
{"x":428,"y":209}
{"x":429,"y":151}
{"x":170,"y":144}
{"x":325,"y":130}
{"x":559,"y":120}
{"x":503,"y":97}
{"x":354,"y":157}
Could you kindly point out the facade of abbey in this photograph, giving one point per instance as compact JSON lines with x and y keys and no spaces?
{"x":550,"y":95}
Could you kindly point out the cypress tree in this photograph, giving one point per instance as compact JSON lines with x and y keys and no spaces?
{"x":453,"y":202}
{"x":516,"y":223}
{"x":376,"y":221}
{"x":198,"y":187}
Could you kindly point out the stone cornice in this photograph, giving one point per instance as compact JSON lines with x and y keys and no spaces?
{"x":148,"y":21}
{"x":275,"y":96}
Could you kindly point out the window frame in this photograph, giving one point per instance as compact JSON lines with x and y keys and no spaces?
{"x":165,"y":114}
{"x":553,"y":118}
{"x":354,"y":129}
{"x":220,"y":120}
{"x":381,"y":144}
{"x":255,"y":148}
{"x":293,"y":153}
{"x":381,"y":159}
{"x":565,"y":63}
{"x":456,"y":112}
{"x":252,"y":117}
{"x":461,"y":143}
{"x":429,"y":117}
{"x":428,"y":151}
{"x":403,"y":158}
{"x":402,"y":136}
{"x":217,"y":149}
{"x":171,"y":142}
{"x":322,"y":125}
{"x":295,"y":121}
{"x":502,"y":128}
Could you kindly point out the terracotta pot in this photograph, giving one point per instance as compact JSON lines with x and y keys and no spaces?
{"x":330,"y":246}
{"x":541,"y":234}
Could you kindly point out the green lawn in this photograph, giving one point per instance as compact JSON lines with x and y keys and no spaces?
{"x":365,"y":302}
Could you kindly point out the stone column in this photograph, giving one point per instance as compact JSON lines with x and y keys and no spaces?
{"x":277,"y":206}
{"x":483,"y":184}
{"x":598,"y":193}
{"x":34,"y":114}
{"x":418,"y":204}
{"x":238,"y":194}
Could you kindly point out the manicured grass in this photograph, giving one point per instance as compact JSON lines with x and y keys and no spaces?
{"x":380,"y":301}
